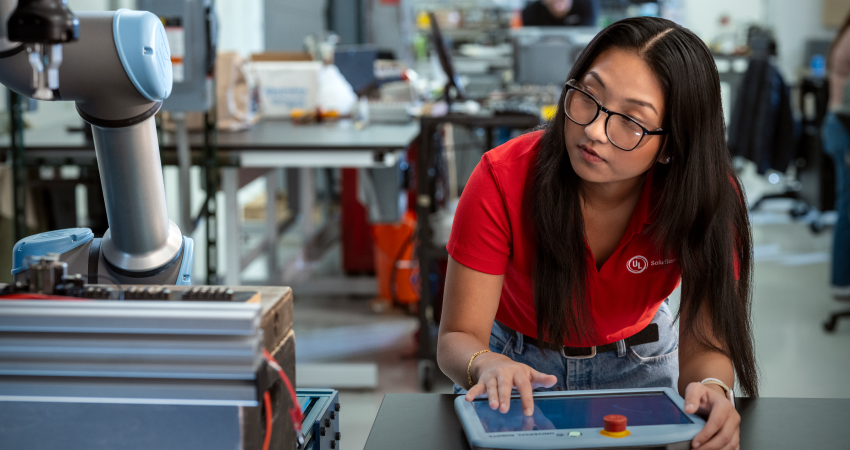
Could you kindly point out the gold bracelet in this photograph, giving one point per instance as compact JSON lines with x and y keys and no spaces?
{"x":469,"y":367}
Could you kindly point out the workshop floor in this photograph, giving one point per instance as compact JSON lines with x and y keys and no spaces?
{"x":791,"y":300}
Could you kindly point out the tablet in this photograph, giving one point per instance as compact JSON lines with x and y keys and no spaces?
{"x":654,"y":419}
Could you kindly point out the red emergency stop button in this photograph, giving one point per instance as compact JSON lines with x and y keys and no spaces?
{"x":614,"y":423}
{"x":614,"y":426}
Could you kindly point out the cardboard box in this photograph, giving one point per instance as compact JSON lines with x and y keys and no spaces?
{"x":286,"y":81}
{"x":281,"y":56}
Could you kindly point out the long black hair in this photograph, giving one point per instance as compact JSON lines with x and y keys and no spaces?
{"x":699,"y":217}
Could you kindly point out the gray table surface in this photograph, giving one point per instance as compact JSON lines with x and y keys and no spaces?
{"x":272,"y":135}
{"x":428,"y":421}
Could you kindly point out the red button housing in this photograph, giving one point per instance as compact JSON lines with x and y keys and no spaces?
{"x":614,"y":423}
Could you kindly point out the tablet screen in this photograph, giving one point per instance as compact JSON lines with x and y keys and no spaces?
{"x":559,"y":413}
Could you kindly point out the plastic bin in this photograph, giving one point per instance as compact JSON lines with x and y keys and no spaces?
{"x":394,"y":264}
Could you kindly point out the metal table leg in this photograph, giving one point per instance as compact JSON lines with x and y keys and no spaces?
{"x":424,"y":206}
{"x":232,"y":226}
{"x":16,"y":129}
{"x":184,"y":165}
{"x":272,"y":188}
{"x":210,"y":206}
{"x":306,"y":201}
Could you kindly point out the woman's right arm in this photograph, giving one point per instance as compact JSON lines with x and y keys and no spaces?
{"x":469,"y":307}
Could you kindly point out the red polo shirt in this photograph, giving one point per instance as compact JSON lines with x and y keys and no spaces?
{"x":490,"y":232}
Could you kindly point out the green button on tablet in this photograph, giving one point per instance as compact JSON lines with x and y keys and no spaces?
{"x":575,"y":433}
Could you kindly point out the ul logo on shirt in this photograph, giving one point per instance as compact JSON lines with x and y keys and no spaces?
{"x":637,"y":264}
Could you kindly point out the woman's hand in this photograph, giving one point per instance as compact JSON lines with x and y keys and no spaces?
{"x":498,"y":374}
{"x":721,"y":430}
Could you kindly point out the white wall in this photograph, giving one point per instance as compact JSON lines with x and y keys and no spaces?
{"x":100,"y":5}
{"x":240,"y":21}
{"x":392,"y":28}
{"x":703,"y":17}
{"x":793,"y":22}
{"x":88,"y":5}
{"x":241,"y":25}
{"x":290,"y":21}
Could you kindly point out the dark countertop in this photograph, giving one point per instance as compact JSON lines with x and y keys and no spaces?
{"x":428,"y":421}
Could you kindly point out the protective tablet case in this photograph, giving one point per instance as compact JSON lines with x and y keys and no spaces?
{"x":551,"y":437}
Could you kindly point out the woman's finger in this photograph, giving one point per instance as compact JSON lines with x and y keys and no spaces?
{"x":724,"y":439}
{"x":475,"y":391}
{"x":506,"y":383}
{"x":721,"y":426}
{"x":694,"y":397}
{"x":735,"y":444}
{"x":542,"y":380}
{"x":526,"y":393}
{"x":493,"y":392}
{"x":712,"y":426}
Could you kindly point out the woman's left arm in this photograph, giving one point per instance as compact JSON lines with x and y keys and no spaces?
{"x":696,"y":363}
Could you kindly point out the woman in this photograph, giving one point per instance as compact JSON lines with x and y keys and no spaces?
{"x":560,"y":13}
{"x":577,"y":234}
{"x":835,"y":143}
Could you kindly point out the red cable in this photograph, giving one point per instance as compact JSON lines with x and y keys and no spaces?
{"x":295,"y":411}
{"x":267,"y":400}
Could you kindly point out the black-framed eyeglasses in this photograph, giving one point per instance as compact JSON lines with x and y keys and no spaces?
{"x":622,"y":131}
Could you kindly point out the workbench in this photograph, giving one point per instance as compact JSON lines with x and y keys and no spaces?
{"x":428,"y":421}
{"x":241,"y":157}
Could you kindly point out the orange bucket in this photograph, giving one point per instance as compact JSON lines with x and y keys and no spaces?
{"x":394,"y":264}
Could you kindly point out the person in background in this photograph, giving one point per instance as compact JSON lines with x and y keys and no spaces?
{"x":835,"y":143}
{"x":560,"y":13}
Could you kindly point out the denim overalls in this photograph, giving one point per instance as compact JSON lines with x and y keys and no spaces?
{"x":655,"y":364}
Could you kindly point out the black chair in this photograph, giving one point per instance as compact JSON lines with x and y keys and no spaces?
{"x":832,"y":320}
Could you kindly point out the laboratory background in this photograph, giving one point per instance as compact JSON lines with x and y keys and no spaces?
{"x":255,"y":197}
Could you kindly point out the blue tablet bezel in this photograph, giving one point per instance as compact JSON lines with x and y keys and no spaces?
{"x":590,"y":437}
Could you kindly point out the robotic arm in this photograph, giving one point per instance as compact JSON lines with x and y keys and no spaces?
{"x":43,"y":27}
{"x":116,"y":67}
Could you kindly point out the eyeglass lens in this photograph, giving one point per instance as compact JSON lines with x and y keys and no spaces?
{"x":621,"y":131}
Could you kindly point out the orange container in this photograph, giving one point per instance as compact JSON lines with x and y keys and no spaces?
{"x":394,"y":264}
